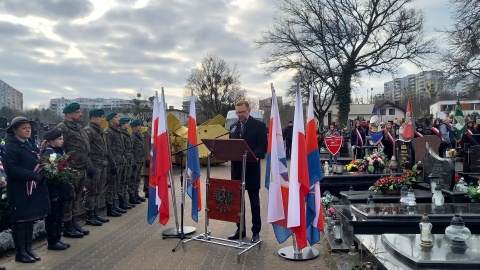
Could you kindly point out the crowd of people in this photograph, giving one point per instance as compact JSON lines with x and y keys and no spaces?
{"x":106,"y":165}
{"x":392,"y":130}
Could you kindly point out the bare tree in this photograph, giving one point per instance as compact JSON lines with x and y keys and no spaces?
{"x":323,"y":95}
{"x":337,"y":39}
{"x":215,"y":85}
{"x":462,"y":57}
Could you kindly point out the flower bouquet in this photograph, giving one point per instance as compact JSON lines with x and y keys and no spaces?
{"x":452,"y":153}
{"x":411,"y":175}
{"x":353,"y":166}
{"x":55,"y":169}
{"x":388,"y":183}
{"x":373,"y":162}
{"x":474,"y":193}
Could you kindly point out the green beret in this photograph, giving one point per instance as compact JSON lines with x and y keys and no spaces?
{"x":110,"y":116}
{"x":135,"y":123}
{"x":96,"y":113}
{"x":72,"y":107}
{"x":124,"y":120}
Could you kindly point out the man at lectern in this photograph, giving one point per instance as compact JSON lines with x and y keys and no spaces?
{"x":254,"y":132}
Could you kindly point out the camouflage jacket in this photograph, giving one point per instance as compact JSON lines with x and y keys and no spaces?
{"x":76,"y":141}
{"x":115,"y":144}
{"x":138,"y":151}
{"x":98,"y":146}
{"x":127,"y":141}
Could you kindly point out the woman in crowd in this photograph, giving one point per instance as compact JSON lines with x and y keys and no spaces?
{"x":388,"y":140}
{"x":59,"y":192}
{"x":27,"y":192}
{"x":357,"y":140}
{"x":471,"y":128}
{"x":440,"y":129}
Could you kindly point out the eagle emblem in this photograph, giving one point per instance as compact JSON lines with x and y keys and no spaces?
{"x":224,"y":198}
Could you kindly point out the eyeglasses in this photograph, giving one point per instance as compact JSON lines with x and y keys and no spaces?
{"x":241,"y":112}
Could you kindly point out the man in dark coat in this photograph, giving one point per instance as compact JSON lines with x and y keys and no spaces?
{"x":287,"y":137}
{"x":75,"y":142}
{"x":254,"y":133}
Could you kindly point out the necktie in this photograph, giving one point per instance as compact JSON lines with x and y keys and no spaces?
{"x":29,"y":145}
{"x":241,"y":129}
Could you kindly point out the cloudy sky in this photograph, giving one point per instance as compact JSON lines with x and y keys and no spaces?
{"x":116,"y":48}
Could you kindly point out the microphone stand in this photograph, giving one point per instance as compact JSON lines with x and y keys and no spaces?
{"x":189,"y":229}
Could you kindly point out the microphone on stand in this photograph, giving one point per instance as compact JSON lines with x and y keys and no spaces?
{"x":233,"y":129}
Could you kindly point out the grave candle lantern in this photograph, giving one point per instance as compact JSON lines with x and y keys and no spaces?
{"x":438,"y":199}
{"x":457,"y":233}
{"x":411,"y":198}
{"x":434,"y":180}
{"x":426,"y":232}
{"x":337,"y":231}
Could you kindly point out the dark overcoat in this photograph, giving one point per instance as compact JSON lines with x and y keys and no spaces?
{"x":20,"y":161}
{"x":255,"y":135}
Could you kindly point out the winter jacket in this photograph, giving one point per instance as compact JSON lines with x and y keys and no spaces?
{"x":27,"y":192}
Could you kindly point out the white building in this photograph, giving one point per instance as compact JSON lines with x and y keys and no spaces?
{"x":445,"y":108}
{"x":10,"y":97}
{"x":388,"y":111}
{"x":181,"y":115}
{"x":107,"y":104}
{"x":466,"y":85}
{"x":413,"y":86}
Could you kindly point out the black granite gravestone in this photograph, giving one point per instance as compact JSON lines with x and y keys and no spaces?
{"x":419,"y":145}
{"x":441,"y":166}
{"x":471,"y":162}
{"x":404,"y":153}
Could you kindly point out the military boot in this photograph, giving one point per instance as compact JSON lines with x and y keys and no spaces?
{"x":125,"y":197}
{"x":70,"y":231}
{"x":77,"y":227}
{"x":91,"y":220}
{"x":98,"y":217}
{"x":111,"y":212}
{"x":133,"y":200}
{"x":116,"y":207}
{"x":141,"y":199}
{"x":122,"y":203}
{"x":18,"y":235}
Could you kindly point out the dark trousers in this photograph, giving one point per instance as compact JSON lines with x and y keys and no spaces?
{"x":53,"y":221}
{"x":254,"y":197}
{"x":358,"y":153}
{"x":288,"y":150}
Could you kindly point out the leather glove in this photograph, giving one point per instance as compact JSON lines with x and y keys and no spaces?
{"x":91,"y":172}
{"x":134,"y":167}
{"x":113,"y":169}
{"x":147,"y":164}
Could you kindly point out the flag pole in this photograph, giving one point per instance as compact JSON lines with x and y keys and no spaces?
{"x":294,"y":252}
{"x":179,"y":230}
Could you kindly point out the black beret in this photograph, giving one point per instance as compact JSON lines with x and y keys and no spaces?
{"x":71,"y":107}
{"x":53,"y":134}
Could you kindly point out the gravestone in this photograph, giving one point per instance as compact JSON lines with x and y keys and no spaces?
{"x":419,"y":145}
{"x":471,"y":162}
{"x":404,"y":153}
{"x":443,"y":167}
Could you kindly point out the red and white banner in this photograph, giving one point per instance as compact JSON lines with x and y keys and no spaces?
{"x":334,"y":143}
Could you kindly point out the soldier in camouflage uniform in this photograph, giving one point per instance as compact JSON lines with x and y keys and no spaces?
{"x":123,"y":186}
{"x":116,"y":150}
{"x":76,"y":141}
{"x":95,"y":194}
{"x":139,"y":159}
{"x":147,"y":145}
